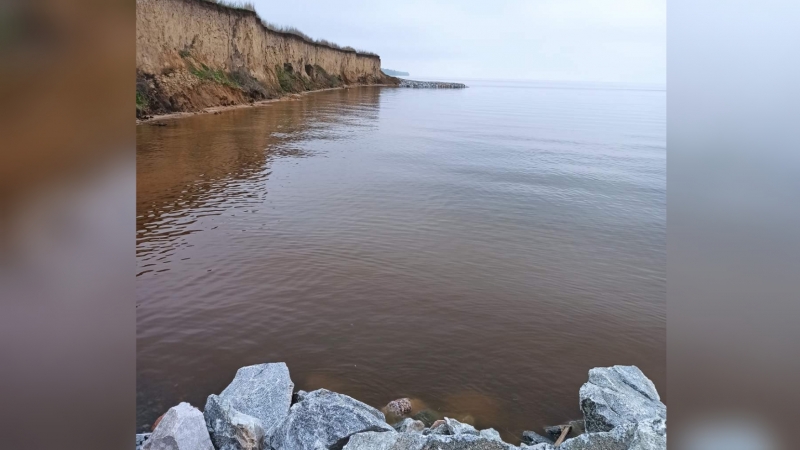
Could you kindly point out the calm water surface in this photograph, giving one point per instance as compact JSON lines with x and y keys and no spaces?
{"x":478,"y":250}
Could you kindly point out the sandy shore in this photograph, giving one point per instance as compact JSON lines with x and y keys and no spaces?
{"x":217,"y":109}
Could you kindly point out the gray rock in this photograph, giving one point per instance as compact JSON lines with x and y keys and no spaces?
{"x":409,"y":425}
{"x":300,"y":395}
{"x":140,"y":439}
{"x":399,"y":407}
{"x":430,"y":85}
{"x":231,"y":429}
{"x":491,"y":433}
{"x":454,"y":427}
{"x":374,"y":440}
{"x":619,"y":395}
{"x":543,"y":446}
{"x":326,"y":420}
{"x":463,"y":442}
{"x":263,"y":391}
{"x":533,"y":438}
{"x":182,"y":428}
{"x":644,"y":435}
{"x":554,"y":432}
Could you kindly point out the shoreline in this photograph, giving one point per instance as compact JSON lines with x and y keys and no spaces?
{"x":261,"y":410}
{"x":219,"y":109}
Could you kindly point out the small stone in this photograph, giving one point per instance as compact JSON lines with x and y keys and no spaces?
{"x":409,"y":425}
{"x":399,"y":407}
{"x":141,"y":438}
{"x":182,"y":428}
{"x":533,"y":438}
{"x":299,"y":396}
{"x":554,"y":431}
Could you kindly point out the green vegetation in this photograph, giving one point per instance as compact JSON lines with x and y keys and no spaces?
{"x":218,"y":76}
{"x":141,"y":101}
{"x":285,"y":78}
{"x":235,"y":5}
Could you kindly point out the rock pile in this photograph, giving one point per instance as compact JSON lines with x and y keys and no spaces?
{"x":621,"y":408}
{"x":430,"y":85}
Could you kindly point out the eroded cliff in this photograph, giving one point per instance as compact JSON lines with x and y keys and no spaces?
{"x":194,"y":54}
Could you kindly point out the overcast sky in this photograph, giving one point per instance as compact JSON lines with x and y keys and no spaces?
{"x":576,"y":40}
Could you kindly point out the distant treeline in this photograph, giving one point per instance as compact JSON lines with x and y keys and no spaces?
{"x":394,"y":73}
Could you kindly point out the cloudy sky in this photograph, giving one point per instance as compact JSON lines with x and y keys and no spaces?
{"x":577,"y":40}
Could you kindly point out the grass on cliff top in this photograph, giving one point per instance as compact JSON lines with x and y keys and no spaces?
{"x":248,"y":6}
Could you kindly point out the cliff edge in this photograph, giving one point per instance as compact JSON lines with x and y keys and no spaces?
{"x":195,"y":54}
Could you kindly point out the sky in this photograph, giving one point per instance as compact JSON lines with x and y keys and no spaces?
{"x":559,"y":40}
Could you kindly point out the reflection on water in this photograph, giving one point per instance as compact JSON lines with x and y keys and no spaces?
{"x":475,"y":250}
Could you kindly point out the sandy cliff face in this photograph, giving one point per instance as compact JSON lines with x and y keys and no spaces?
{"x":193,"y":54}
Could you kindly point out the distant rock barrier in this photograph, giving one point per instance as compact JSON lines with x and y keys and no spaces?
{"x":259,"y":410}
{"x":430,"y":85}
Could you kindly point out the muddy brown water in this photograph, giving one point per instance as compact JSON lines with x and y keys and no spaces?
{"x":477,"y":250}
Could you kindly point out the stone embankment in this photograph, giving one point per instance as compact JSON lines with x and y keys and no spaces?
{"x":430,"y":84}
{"x":259,"y":410}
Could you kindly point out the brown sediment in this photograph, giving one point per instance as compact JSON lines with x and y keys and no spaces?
{"x":219,"y":109}
{"x":192,"y":55}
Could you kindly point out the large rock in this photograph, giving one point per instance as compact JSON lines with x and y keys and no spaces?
{"x":644,"y":435}
{"x":263,"y":391}
{"x":231,"y":429}
{"x":463,"y":442}
{"x":452,"y":427}
{"x":326,"y":420}
{"x":619,"y":395}
{"x":182,"y":428}
{"x":373,"y":440}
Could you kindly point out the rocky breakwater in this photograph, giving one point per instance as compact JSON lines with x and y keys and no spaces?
{"x":430,"y":85}
{"x":260,"y":411}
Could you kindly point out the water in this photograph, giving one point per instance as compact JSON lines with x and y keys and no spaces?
{"x":478,"y":250}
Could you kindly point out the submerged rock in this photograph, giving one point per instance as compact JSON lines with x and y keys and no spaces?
{"x":533,"y":438}
{"x":326,"y":420}
{"x":263,"y":391}
{"x":426,"y":416}
{"x":409,"y":425}
{"x":619,"y":395}
{"x":399,"y":407}
{"x":230,"y":429}
{"x":554,"y":432}
{"x":182,"y":428}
